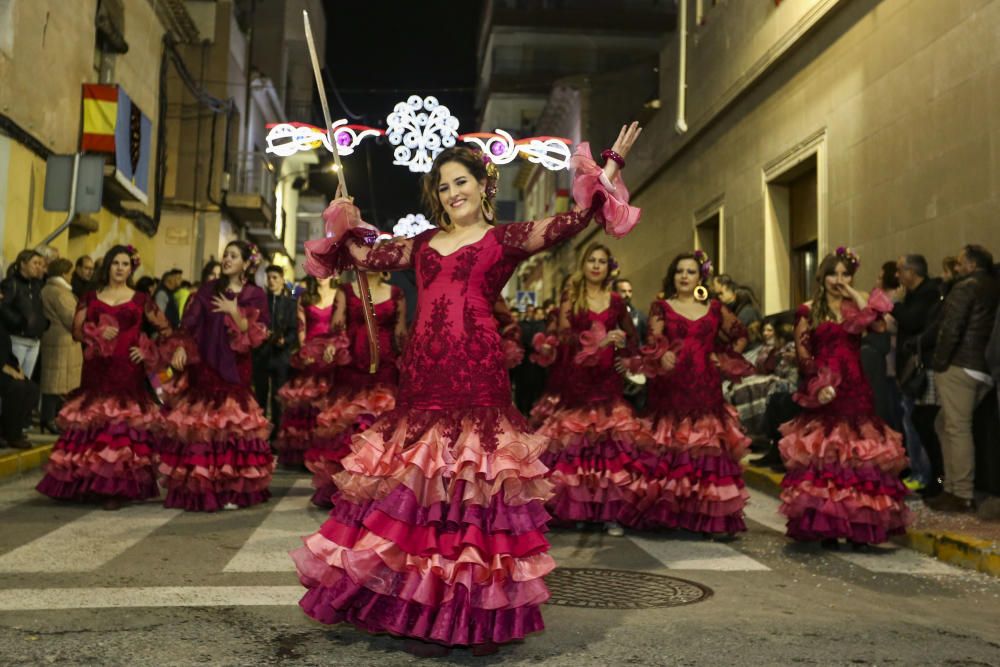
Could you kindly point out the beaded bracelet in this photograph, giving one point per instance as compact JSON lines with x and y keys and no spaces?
{"x":609,"y":154}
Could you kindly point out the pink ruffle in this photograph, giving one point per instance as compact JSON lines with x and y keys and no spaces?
{"x":199,"y":421}
{"x":733,"y":365}
{"x":820,"y":511}
{"x":541,"y":356}
{"x":648,"y":361}
{"x":308,"y":388}
{"x":243,"y":341}
{"x":590,"y":345}
{"x":705,"y":434}
{"x":93,"y":334}
{"x":813,"y":440}
{"x":825,"y":377}
{"x":348,"y":408}
{"x":178,"y":339}
{"x":312,"y":354}
{"x":614,"y":419}
{"x":328,"y":255}
{"x":86,"y":412}
{"x":150,"y":354}
{"x":615,"y":214}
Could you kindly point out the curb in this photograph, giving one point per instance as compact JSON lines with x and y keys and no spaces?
{"x":956,"y":549}
{"x":22,"y":461}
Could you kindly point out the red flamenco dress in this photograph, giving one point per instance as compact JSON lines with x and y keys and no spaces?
{"x":594,"y":436}
{"x":306,"y":394}
{"x":110,"y":424}
{"x":693,"y":479}
{"x":437,"y":531}
{"x":216,"y":453}
{"x":360,"y":397}
{"x":843,"y":461}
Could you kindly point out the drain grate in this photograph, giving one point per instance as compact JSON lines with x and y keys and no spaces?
{"x":620,"y":589}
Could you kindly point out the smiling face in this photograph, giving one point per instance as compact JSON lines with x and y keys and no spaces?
{"x":120,"y":269}
{"x":233,"y":263}
{"x":460,"y":193}
{"x":686,"y":277}
{"x":595,"y":267}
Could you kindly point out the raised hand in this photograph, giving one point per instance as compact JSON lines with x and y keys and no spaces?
{"x":623,"y":144}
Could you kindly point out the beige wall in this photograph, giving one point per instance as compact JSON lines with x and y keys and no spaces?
{"x":900,"y":96}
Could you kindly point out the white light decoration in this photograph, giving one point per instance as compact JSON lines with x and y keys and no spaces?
{"x":420,"y":128}
{"x":285,"y":139}
{"x":412,"y":225}
{"x":550,"y":152}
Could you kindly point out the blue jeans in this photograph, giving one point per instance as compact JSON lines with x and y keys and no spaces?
{"x":920,"y":464}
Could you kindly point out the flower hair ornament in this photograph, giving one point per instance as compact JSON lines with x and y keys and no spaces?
{"x":849,"y":257}
{"x":255,"y":257}
{"x":133,"y":256}
{"x":705,"y":271}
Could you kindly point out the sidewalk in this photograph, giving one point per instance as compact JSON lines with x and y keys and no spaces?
{"x":958,"y":539}
{"x":15,"y":462}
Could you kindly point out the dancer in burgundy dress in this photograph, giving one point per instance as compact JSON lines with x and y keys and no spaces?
{"x":843,"y":461}
{"x":107,"y":449}
{"x":306,"y":395}
{"x":216,"y":454}
{"x":594,"y":436}
{"x":360,"y":396}
{"x":437,"y":531}
{"x":694,"y":480}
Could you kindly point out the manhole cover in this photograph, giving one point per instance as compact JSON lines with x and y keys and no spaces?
{"x":620,"y":589}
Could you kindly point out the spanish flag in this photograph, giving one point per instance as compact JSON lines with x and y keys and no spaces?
{"x":100,"y":112}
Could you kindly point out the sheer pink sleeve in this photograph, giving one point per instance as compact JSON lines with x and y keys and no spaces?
{"x":521,"y":239}
{"x":392,"y":255}
{"x":732,"y":333}
{"x":349,"y":242}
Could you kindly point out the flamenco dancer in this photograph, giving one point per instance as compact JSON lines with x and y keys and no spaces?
{"x":215,"y":454}
{"x":843,"y":461}
{"x":693,"y":477}
{"x":305,"y":395}
{"x":437,"y":530}
{"x":108,"y":442}
{"x":593,"y":437}
{"x":360,"y":396}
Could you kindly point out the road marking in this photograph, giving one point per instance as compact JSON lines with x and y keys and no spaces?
{"x":680,"y":554}
{"x":266,"y":550}
{"x":36,"y":599}
{"x":87,"y":543}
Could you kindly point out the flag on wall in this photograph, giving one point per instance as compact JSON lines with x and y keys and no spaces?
{"x":113,"y":124}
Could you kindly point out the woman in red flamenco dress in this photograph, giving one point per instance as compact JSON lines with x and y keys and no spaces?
{"x":693,"y":478}
{"x":360,"y":396}
{"x":107,"y":449}
{"x":305,"y":396}
{"x":594,"y":435}
{"x":843,"y":461}
{"x":215,"y":454}
{"x":437,"y":531}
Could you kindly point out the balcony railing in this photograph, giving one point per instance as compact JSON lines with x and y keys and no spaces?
{"x":251,"y":187}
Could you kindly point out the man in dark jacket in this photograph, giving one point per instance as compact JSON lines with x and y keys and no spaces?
{"x":83,"y":276}
{"x":962,"y":376}
{"x":21,"y":308}
{"x":624,"y":288}
{"x":18,"y":395}
{"x":271,"y":361}
{"x":918,"y":305}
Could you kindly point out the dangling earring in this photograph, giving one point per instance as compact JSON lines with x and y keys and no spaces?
{"x":487,"y":206}
{"x":700,"y":293}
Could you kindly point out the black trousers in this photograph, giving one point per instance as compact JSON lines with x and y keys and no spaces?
{"x":780,"y":409}
{"x":18,"y":397}
{"x":268,"y":378}
{"x":923,"y":422}
{"x":51,"y":405}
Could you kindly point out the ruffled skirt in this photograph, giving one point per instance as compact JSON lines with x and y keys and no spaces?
{"x":692,"y":478}
{"x":345,"y":416}
{"x":107,"y":449}
{"x":544,"y":408}
{"x":843,"y":479}
{"x":216,"y":451}
{"x":591,"y":454}
{"x":437,"y":532}
{"x":302,"y":398}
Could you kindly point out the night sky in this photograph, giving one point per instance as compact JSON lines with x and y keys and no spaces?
{"x":379,"y":53}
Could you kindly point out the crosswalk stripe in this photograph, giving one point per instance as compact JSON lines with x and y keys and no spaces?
{"x":87,"y":543}
{"x":267,"y":548}
{"x":28,"y":599}
{"x":678,"y":554}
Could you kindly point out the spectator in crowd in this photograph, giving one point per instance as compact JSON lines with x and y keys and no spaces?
{"x":949,"y":273}
{"x":721,"y":283}
{"x":164,"y":296}
{"x":83,"y":276}
{"x":146,"y":284}
{"x":917,"y":305}
{"x":739,"y":299}
{"x":878,"y":356}
{"x":962,"y":375}
{"x":212,"y":271}
{"x":272,"y":360}
{"x":21,"y":308}
{"x":182,"y":294}
{"x":624,"y":288}
{"x":61,"y":356}
{"x":18,"y":394}
{"x":47,"y":253}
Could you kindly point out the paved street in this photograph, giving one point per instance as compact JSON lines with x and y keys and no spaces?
{"x":147,"y":586}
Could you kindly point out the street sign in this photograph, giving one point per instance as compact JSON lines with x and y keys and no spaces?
{"x":526,"y":299}
{"x":59,"y":183}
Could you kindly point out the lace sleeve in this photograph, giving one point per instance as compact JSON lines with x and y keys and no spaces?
{"x":655,"y":322}
{"x":522,"y":239}
{"x":732,"y":333}
{"x":79,"y":317}
{"x":564,"y":327}
{"x":399,"y":330}
{"x":300,"y":318}
{"x":392,"y":255}
{"x":803,"y":342}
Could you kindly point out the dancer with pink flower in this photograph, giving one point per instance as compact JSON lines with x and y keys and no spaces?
{"x":359,"y":396}
{"x":437,"y":532}
{"x":843,"y":461}
{"x":107,"y":450}
{"x":692,"y":479}
{"x":594,"y":436}
{"x":215,"y":453}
